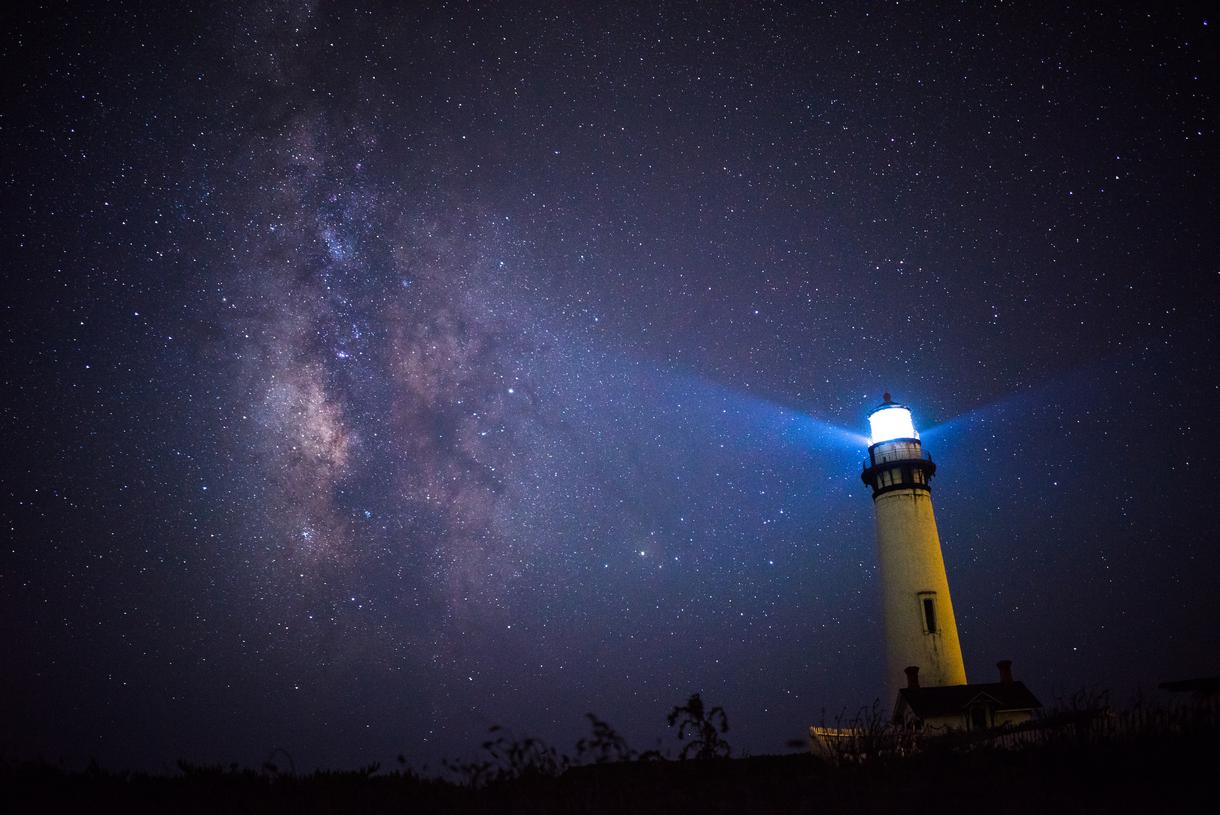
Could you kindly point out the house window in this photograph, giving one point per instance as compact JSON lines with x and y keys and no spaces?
{"x":927,"y":606}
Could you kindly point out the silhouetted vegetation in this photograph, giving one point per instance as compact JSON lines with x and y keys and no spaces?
{"x":869,"y":736}
{"x":1084,"y":755}
{"x":509,"y":759}
{"x":705,"y":727}
{"x":604,"y":746}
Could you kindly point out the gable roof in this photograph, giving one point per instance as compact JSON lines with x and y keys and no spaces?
{"x":949,"y":700}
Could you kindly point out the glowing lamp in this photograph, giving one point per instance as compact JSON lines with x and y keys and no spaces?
{"x":891,"y":421}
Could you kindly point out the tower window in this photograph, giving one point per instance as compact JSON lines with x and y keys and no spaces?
{"x":927,"y":604}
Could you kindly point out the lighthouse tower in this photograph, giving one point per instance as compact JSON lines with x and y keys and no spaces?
{"x":920,"y":629}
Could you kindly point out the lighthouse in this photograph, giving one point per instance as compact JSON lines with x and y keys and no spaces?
{"x":920,"y":629}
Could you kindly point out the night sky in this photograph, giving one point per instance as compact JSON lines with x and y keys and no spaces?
{"x":373,"y":375}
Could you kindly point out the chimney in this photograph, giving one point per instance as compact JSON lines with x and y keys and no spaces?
{"x":1005,"y":666}
{"x":912,"y":676}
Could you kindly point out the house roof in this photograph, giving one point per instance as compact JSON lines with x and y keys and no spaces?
{"x":948,"y":700}
{"x":1204,"y":684}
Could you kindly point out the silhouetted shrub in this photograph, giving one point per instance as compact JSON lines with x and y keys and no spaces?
{"x":510,"y":759}
{"x":704,"y":726}
{"x":605,"y":745}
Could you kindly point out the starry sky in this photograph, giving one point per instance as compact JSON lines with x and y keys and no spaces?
{"x":376,"y":373}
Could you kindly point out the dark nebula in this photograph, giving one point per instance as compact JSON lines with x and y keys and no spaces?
{"x":377,"y":373}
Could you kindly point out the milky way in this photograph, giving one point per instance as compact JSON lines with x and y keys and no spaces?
{"x":379,"y":374}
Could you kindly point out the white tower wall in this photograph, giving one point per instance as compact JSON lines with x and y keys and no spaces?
{"x":913,"y":574}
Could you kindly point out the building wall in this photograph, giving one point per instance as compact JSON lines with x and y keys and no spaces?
{"x":939,"y":725}
{"x":1012,"y":717}
{"x":912,"y":569}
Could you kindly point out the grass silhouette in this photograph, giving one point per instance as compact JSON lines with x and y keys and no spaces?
{"x":1084,"y":756}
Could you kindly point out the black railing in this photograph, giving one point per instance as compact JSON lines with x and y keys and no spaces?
{"x":907,"y":455}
